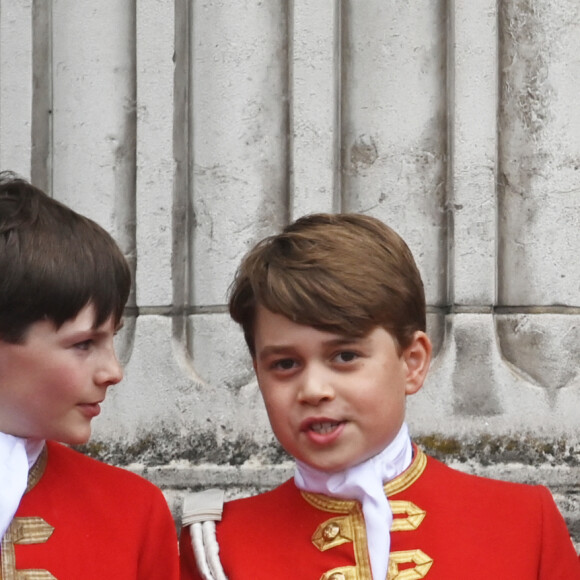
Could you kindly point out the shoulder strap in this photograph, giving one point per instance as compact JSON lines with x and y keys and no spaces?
{"x":200,"y":512}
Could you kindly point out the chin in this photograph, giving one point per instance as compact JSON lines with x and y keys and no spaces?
{"x":328,"y":466}
{"x":79,"y":438}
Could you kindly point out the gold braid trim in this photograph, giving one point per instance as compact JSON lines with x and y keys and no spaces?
{"x":358,"y":529}
{"x":25,"y":531}
{"x":329,"y":504}
{"x":343,"y":573}
{"x":360,"y":545}
{"x":37,"y":469}
{"x":397,"y":485}
{"x":409,"y":476}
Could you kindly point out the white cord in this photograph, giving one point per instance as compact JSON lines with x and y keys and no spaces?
{"x":201,"y":511}
{"x":212,"y":550}
{"x":196,"y":532}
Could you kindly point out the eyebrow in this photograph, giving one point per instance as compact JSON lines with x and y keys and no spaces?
{"x":283,"y":348}
{"x":97,"y":330}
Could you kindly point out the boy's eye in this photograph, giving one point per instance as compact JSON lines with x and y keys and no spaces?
{"x":346,"y":356}
{"x":84,"y":345}
{"x":284,"y":364}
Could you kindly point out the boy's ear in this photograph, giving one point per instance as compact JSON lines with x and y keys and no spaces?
{"x":417,"y":357}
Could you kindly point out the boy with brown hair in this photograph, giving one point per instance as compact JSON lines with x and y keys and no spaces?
{"x":63,"y":288}
{"x":333,"y":313}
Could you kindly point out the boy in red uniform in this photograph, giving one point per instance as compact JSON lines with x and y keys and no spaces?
{"x":333,"y":312}
{"x":63,"y":287}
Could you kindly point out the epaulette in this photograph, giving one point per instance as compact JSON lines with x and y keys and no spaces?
{"x":200,"y":512}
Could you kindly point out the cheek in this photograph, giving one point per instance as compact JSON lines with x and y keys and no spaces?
{"x":269,"y":389}
{"x":274,"y":403}
{"x":64,"y":379}
{"x":277,"y":405}
{"x":381,"y":401}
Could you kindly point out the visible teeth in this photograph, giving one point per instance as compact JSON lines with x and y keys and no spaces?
{"x":323,"y":427}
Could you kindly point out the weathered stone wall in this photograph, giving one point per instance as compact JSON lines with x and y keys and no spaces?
{"x":192,"y":129}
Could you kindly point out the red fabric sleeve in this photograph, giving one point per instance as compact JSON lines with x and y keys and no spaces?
{"x":558,"y":560}
{"x":159,"y":559}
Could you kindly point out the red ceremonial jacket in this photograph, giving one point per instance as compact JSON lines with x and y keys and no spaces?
{"x":447,"y":526}
{"x":83,"y":520}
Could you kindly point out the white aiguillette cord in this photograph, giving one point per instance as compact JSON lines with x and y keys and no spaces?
{"x":364,"y":482}
{"x":17,"y":456}
{"x":201,"y":511}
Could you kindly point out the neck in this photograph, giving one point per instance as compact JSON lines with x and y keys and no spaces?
{"x":386,"y":465}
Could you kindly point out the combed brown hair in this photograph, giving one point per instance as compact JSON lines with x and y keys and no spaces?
{"x":53,"y":262}
{"x":341,"y":273}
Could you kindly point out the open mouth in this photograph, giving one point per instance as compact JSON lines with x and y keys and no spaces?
{"x":324,"y":427}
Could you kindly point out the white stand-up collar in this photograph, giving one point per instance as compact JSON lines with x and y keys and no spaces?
{"x":364,"y":482}
{"x":17,"y":456}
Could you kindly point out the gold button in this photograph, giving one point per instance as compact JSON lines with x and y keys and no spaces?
{"x":337,"y":576}
{"x":330,"y":532}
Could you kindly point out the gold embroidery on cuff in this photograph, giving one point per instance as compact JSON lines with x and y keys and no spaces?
{"x":344,"y":573}
{"x":420,"y":559}
{"x":332,"y":533}
{"x":415,"y":516}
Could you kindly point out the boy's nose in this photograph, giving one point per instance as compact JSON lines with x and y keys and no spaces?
{"x":110,"y":372}
{"x":315,"y":387}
